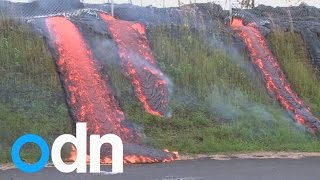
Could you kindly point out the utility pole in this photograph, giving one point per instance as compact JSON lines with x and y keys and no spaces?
{"x":230,"y":10}
{"x":112,"y":8}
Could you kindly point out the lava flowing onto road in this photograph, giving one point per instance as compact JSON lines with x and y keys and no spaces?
{"x":150,"y":84}
{"x":276,"y":83}
{"x":89,"y":96}
{"x":145,"y":156}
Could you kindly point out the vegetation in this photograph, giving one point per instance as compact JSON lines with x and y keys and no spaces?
{"x":296,"y":64}
{"x":31,"y":97}
{"x":219,"y":103}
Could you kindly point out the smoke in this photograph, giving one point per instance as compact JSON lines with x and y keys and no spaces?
{"x":104,"y":49}
{"x":236,"y":52}
{"x":150,"y":84}
{"x":232,"y":104}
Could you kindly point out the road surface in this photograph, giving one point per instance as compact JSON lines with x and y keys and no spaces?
{"x":204,"y":169}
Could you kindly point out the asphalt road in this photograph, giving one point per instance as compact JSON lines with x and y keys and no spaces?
{"x":205,"y":169}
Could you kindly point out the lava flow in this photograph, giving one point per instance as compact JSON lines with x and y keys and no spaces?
{"x":276,"y":83}
{"x":90,"y":98}
{"x":151,"y":86}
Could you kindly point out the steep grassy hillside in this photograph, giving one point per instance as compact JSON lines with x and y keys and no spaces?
{"x":31,"y":97}
{"x":296,"y":64}
{"x":218,"y":104}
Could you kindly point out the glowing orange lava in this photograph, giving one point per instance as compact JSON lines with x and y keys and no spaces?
{"x":128,"y":159}
{"x":89,"y":95}
{"x":151,"y":86}
{"x":90,"y":98}
{"x":276,"y":83}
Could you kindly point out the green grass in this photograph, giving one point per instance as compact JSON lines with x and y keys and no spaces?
{"x":218,"y":103}
{"x":32,"y":100}
{"x":296,"y":64}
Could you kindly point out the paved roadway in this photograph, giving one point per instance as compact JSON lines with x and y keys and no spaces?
{"x":205,"y":169}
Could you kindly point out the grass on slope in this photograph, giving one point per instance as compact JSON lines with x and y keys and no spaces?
{"x":295,"y":62}
{"x":31,"y":97}
{"x":218,"y":104}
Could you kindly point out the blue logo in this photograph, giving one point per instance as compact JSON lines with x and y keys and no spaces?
{"x":15,"y":153}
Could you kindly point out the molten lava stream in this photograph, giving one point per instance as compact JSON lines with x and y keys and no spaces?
{"x":89,"y":96}
{"x":276,"y":83}
{"x":147,"y":156}
{"x":151,"y":86}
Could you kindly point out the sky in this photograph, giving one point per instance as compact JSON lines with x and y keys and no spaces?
{"x":170,"y":3}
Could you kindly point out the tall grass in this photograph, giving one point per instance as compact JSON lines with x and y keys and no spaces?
{"x":195,"y":64}
{"x":295,"y":62}
{"x":31,"y":97}
{"x":219,"y":103}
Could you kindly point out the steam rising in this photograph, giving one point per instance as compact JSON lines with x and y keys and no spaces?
{"x":231,"y":104}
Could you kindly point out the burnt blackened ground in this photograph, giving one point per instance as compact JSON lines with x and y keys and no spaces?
{"x":302,"y":19}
